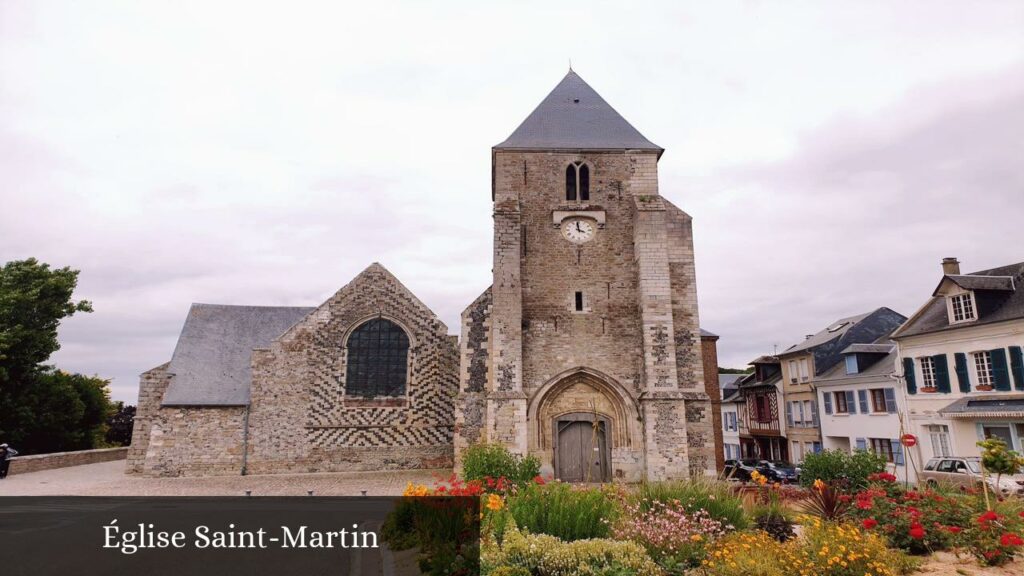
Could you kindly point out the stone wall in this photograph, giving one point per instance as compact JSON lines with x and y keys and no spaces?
{"x":183,"y":441}
{"x":300,"y":417}
{"x":37,"y":462}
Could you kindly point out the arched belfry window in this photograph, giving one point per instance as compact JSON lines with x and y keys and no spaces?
{"x":378,"y":351}
{"x":577,"y":182}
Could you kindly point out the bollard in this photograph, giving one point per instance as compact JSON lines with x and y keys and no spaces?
{"x":248,"y":493}
{"x":363,"y":492}
{"x":309,"y":492}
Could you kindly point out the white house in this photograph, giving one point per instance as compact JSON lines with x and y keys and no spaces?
{"x":962,"y":363}
{"x":861,"y":403}
{"x":733,"y":407}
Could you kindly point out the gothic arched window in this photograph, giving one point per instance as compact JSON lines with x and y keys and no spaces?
{"x":378,"y":353}
{"x":577,"y":181}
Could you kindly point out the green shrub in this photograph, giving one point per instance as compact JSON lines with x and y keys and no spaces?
{"x":483,"y":461}
{"x":838,"y":468}
{"x":563,"y":511}
{"x":698,"y":493}
{"x":544,"y":555}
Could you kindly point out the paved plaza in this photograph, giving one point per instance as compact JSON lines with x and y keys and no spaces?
{"x":109,"y":479}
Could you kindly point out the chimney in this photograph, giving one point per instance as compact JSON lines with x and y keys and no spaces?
{"x":950,"y":266}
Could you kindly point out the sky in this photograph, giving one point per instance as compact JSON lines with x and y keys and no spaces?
{"x":831,"y":154}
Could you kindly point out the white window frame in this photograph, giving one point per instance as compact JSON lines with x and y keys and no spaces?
{"x":938,"y":434}
{"x":982,"y":363}
{"x":927,"y":364}
{"x":962,"y":307}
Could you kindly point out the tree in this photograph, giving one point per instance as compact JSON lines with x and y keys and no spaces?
{"x":997,"y":459}
{"x":722,"y":370}
{"x":43,"y":409}
{"x":119,"y":425}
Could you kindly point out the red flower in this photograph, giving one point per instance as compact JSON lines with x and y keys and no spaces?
{"x":954,"y":529}
{"x":1021,"y":514}
{"x":916,"y":531}
{"x":538,"y":479}
{"x":1011,"y":539}
{"x":870,"y":523}
{"x":844,"y":498}
{"x":988,"y":516}
{"x":864,"y":504}
{"x":490,"y":482}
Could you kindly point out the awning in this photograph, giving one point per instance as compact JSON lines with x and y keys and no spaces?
{"x":1002,"y":406}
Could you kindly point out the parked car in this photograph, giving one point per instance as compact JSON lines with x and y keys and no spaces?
{"x":778,"y":471}
{"x":966,"y":473}
{"x":739,"y":469}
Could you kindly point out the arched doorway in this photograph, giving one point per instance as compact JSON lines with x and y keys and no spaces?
{"x":585,"y":428}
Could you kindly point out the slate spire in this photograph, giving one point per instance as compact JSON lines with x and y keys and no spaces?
{"x":574,"y":116}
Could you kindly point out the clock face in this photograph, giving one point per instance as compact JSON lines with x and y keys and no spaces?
{"x":578,"y":230}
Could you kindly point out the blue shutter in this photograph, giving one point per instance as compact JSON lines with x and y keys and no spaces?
{"x":890,"y":400}
{"x":862,"y":395}
{"x":908,"y":375}
{"x":828,"y":402}
{"x":961,"y":372}
{"x":851,"y":404}
{"x":1000,"y":373}
{"x":1017,"y":366}
{"x":789,"y":414}
{"x":897,"y":451}
{"x":941,"y":373}
{"x":862,"y":444}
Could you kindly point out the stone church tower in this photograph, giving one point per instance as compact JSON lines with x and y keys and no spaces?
{"x":586,"y":349}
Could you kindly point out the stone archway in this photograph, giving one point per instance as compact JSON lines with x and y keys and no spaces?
{"x":587,"y":396}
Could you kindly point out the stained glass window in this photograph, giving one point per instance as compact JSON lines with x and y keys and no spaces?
{"x":377,"y":360}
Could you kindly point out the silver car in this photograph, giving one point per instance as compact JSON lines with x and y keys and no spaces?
{"x":966,"y":473}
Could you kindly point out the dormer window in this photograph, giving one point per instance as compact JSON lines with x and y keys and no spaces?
{"x":577,"y":182}
{"x":961,"y":308}
{"x":851,"y":364}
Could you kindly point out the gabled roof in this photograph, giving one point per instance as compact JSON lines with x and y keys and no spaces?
{"x":971,"y":282}
{"x":1002,"y":306}
{"x":575,"y":117}
{"x":827,"y":345}
{"x":211,"y":365}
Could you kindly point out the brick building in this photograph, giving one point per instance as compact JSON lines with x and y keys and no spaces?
{"x":586,"y":350}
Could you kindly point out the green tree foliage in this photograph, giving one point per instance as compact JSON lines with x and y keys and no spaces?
{"x":999,"y":460}
{"x":43,"y":409}
{"x":119,"y":425}
{"x":748,"y":370}
{"x":838,"y":468}
{"x":482,"y":461}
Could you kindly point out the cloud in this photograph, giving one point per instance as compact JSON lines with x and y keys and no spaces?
{"x":862,"y":213}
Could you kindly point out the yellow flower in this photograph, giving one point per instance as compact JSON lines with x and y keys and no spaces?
{"x":819,"y":485}
{"x":494,"y":502}
{"x":696,"y":538}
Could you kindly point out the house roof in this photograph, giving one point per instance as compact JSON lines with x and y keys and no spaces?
{"x":705,"y":334}
{"x":1004,"y":305}
{"x":868,"y":349}
{"x":828,"y":345}
{"x":211,"y":364}
{"x":877,"y":371}
{"x":729,"y":380}
{"x":1001,"y":406}
{"x":574,"y":116}
{"x":972,"y":282}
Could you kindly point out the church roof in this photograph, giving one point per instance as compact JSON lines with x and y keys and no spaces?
{"x":211,"y":365}
{"x":574,"y":116}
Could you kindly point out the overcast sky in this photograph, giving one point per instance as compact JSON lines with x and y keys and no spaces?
{"x":181,"y":152}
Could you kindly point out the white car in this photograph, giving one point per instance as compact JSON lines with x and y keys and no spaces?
{"x":966,"y":473}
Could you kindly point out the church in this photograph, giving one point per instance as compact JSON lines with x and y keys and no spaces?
{"x":586,"y":350}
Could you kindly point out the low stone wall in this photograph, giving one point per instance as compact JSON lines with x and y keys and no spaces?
{"x":25,"y":464}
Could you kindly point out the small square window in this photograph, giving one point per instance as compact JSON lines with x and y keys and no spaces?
{"x":962,"y":307}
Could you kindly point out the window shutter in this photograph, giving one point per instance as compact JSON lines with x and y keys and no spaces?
{"x":1017,"y":366}
{"x":941,"y":373}
{"x":814,"y":413}
{"x":862,"y":444}
{"x":789,"y":414}
{"x":908,"y":375}
{"x":828,"y":402}
{"x":1000,"y":373}
{"x":862,"y":395}
{"x":851,"y":404}
{"x":961,"y":372}
{"x":890,"y":400}
{"x":897,"y":451}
